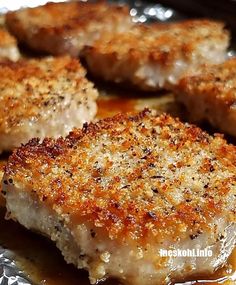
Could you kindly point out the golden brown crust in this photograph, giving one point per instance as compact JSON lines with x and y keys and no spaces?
{"x":135,"y":176}
{"x":162,"y":43}
{"x":8,"y":46}
{"x":31,"y":88}
{"x":156,"y":56}
{"x":218,"y":81}
{"x":211,"y":95}
{"x":61,"y":22}
{"x":6,"y":39}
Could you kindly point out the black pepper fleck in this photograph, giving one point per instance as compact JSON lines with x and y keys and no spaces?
{"x":93,"y":233}
{"x":151,"y":215}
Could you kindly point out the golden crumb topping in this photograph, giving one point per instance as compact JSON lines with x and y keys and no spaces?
{"x":60,"y":28}
{"x":32,"y":88}
{"x":6,"y":39}
{"x":163,"y":43}
{"x":135,"y":176}
{"x":217,"y":82}
{"x":63,"y":17}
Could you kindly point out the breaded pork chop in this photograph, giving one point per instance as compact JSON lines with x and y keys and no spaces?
{"x":115,"y":193}
{"x":155,"y":56}
{"x":59,"y":28}
{"x":8,"y":46}
{"x":44,"y":97}
{"x":211,"y":96}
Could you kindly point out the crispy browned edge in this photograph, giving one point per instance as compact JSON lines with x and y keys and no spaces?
{"x":49,"y":149}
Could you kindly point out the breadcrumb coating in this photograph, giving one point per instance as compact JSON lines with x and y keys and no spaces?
{"x":43,"y":97}
{"x":113,"y":194}
{"x":8,"y":46}
{"x":59,"y":28}
{"x":211,"y":96}
{"x":134,"y":176}
{"x":156,"y":56}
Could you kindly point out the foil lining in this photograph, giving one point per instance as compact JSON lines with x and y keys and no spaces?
{"x":10,"y":274}
{"x":142,"y":12}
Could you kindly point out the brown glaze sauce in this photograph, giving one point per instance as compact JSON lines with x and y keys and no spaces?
{"x":109,"y":107}
{"x":40,"y":259}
